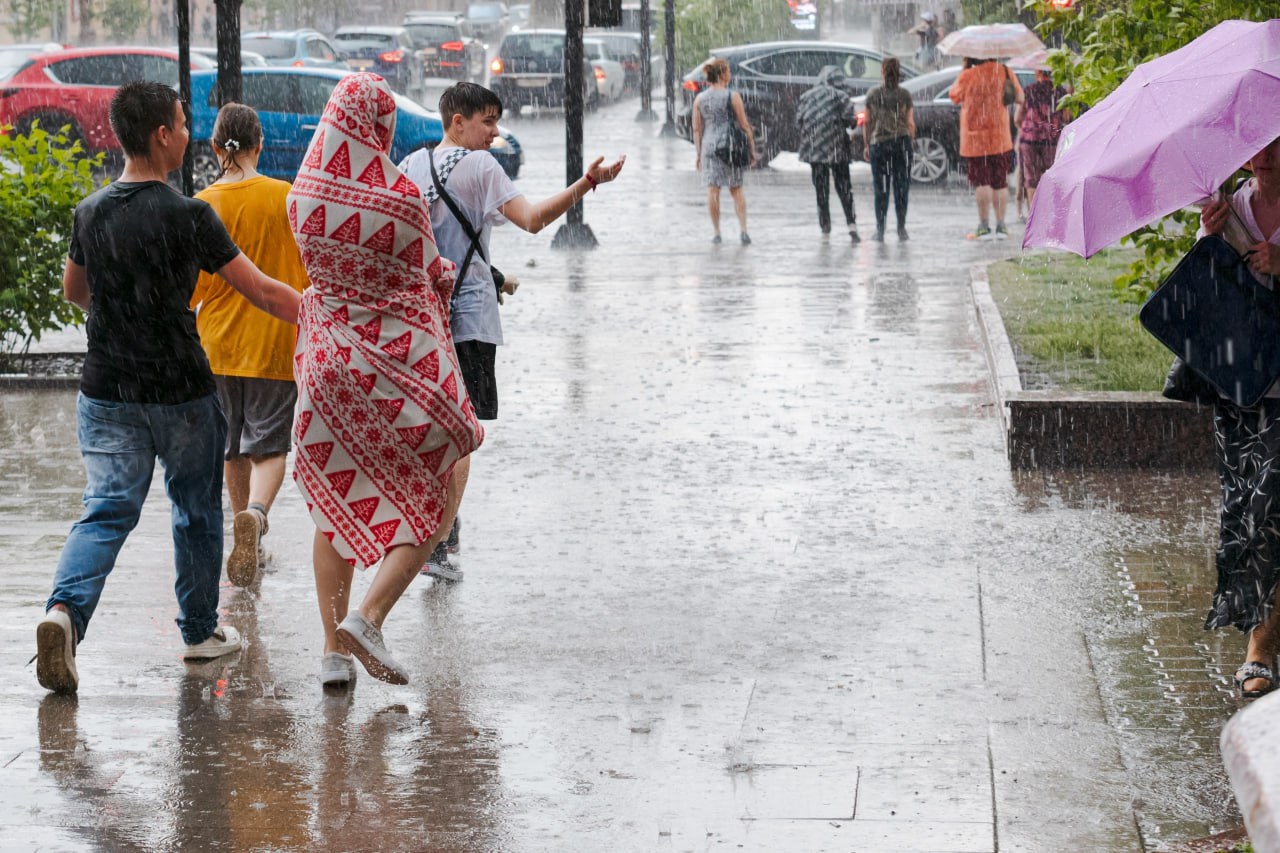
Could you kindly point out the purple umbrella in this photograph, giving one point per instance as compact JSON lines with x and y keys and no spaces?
{"x":1166,"y":138}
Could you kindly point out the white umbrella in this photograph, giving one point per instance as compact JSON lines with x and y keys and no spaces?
{"x":991,"y":41}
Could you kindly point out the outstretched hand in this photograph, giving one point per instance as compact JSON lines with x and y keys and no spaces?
{"x":602,"y":174}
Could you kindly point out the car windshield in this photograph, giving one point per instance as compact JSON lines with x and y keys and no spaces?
{"x":485,"y":11}
{"x":545,"y":47}
{"x":432,"y":33}
{"x":365,"y":39}
{"x":270,"y":46}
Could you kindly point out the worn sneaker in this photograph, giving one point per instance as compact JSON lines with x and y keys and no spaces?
{"x":878,"y":236}
{"x":746,"y":240}
{"x":982,"y":232}
{"x":246,"y":553}
{"x":221,"y":642}
{"x":1001,"y":232}
{"x":56,"y":652}
{"x":853,"y":234}
{"x":359,"y":637}
{"x":452,"y":542}
{"x":438,"y":565}
{"x":902,"y":235}
{"x":337,"y":670}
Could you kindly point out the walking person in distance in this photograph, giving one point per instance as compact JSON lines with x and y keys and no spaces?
{"x":713,"y":109}
{"x":825,"y":114}
{"x":888,"y":135}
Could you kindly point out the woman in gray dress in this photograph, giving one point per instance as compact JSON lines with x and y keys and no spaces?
{"x":713,"y":109}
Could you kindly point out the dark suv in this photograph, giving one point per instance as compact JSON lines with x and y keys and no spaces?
{"x":447,"y":45}
{"x":772,"y":76}
{"x":529,"y":71}
{"x":388,"y":51}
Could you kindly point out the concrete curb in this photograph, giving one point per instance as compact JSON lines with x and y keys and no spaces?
{"x":1054,"y":429}
{"x":60,"y":370}
{"x":1251,"y":753}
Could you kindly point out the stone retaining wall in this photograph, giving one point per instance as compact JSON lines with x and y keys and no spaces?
{"x":1049,"y":429}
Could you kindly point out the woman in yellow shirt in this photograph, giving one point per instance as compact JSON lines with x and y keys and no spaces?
{"x":250,"y":353}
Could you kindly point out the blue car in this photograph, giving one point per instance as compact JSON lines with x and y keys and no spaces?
{"x":295,"y":48}
{"x":290,"y":101}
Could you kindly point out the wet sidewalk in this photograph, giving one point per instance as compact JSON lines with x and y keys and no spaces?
{"x":746,"y":568}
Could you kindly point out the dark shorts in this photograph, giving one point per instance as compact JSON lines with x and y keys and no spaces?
{"x":1035,"y":158}
{"x":476,"y":359}
{"x":259,"y":415}
{"x":991,"y":170}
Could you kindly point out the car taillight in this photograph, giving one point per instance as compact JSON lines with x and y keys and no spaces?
{"x":392,"y":56}
{"x":495,"y":67}
{"x":691,"y":86}
{"x":297,"y":63}
{"x":600,"y":75}
{"x":862,"y":117}
{"x":452,"y":45}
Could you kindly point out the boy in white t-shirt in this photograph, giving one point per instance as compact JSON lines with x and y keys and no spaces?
{"x":484,"y":196}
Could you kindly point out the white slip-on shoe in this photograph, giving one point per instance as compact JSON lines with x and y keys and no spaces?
{"x":242,"y":565}
{"x":56,"y":652}
{"x":337,"y":670}
{"x":221,"y":642}
{"x":358,"y":636}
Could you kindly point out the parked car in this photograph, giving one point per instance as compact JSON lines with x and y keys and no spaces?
{"x":937,"y":142}
{"x":248,"y":59}
{"x":772,"y":76}
{"x":489,"y":18}
{"x":447,"y":46}
{"x":14,"y":56}
{"x":528,"y":70}
{"x":609,"y":75}
{"x":625,"y":48}
{"x":298,"y":48}
{"x":290,"y":101}
{"x":74,"y":87}
{"x":387,"y":51}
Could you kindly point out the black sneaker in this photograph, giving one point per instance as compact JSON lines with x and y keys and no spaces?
{"x":439,"y":567}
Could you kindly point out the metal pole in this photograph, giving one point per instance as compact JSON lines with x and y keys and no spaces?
{"x":669,"y":31}
{"x":646,"y":68}
{"x":230,"y":80}
{"x":183,"y":9}
{"x":574,"y":233}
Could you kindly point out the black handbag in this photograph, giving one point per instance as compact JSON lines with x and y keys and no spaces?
{"x":732,"y":147}
{"x":1010,"y":93}
{"x":1186,"y":385}
{"x":1215,"y":316}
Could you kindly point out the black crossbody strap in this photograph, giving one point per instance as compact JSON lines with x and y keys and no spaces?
{"x":467,"y":228}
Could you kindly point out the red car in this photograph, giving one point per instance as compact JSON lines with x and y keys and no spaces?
{"x":74,"y":87}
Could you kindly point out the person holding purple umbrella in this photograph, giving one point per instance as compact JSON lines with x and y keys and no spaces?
{"x":1247,"y":440}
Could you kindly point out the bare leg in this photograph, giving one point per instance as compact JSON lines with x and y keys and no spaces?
{"x":333,"y":589}
{"x":402,"y":564}
{"x":265,"y":478}
{"x":1264,"y":643}
{"x":740,"y":207}
{"x":983,"y":195}
{"x":1001,"y":197}
{"x":237,"y":472}
{"x":713,"y":207}
{"x":1031,"y":196}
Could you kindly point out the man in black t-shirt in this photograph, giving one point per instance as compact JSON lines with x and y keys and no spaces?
{"x":146,"y":392}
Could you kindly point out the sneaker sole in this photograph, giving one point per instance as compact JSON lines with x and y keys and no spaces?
{"x":368,"y":660}
{"x":52,"y":670}
{"x":450,"y":575}
{"x":242,"y":565}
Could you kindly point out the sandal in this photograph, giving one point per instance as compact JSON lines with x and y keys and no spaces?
{"x":1250,"y":670}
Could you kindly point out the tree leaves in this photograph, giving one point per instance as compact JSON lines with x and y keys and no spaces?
{"x":44,"y":178}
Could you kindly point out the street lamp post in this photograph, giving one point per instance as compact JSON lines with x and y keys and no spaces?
{"x":669,"y":31}
{"x":646,"y":68}
{"x":574,"y":233}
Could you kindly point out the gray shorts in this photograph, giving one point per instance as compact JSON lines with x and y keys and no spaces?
{"x":259,"y":415}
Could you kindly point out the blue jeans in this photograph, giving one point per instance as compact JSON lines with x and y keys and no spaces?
{"x":120,"y":443}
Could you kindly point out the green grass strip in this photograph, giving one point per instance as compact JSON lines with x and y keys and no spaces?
{"x":1069,"y":330}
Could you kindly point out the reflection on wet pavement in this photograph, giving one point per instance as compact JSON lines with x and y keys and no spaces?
{"x":746,"y":568}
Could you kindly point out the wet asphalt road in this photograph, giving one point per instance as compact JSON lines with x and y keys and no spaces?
{"x":746,"y":569}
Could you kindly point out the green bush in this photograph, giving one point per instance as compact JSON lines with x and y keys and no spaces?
{"x":44,"y":178}
{"x":702,"y":25}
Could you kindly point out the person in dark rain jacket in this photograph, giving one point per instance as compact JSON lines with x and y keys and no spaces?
{"x":825,"y":114}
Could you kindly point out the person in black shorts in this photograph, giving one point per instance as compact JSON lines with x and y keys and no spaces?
{"x":482,"y":194}
{"x":146,"y":391}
